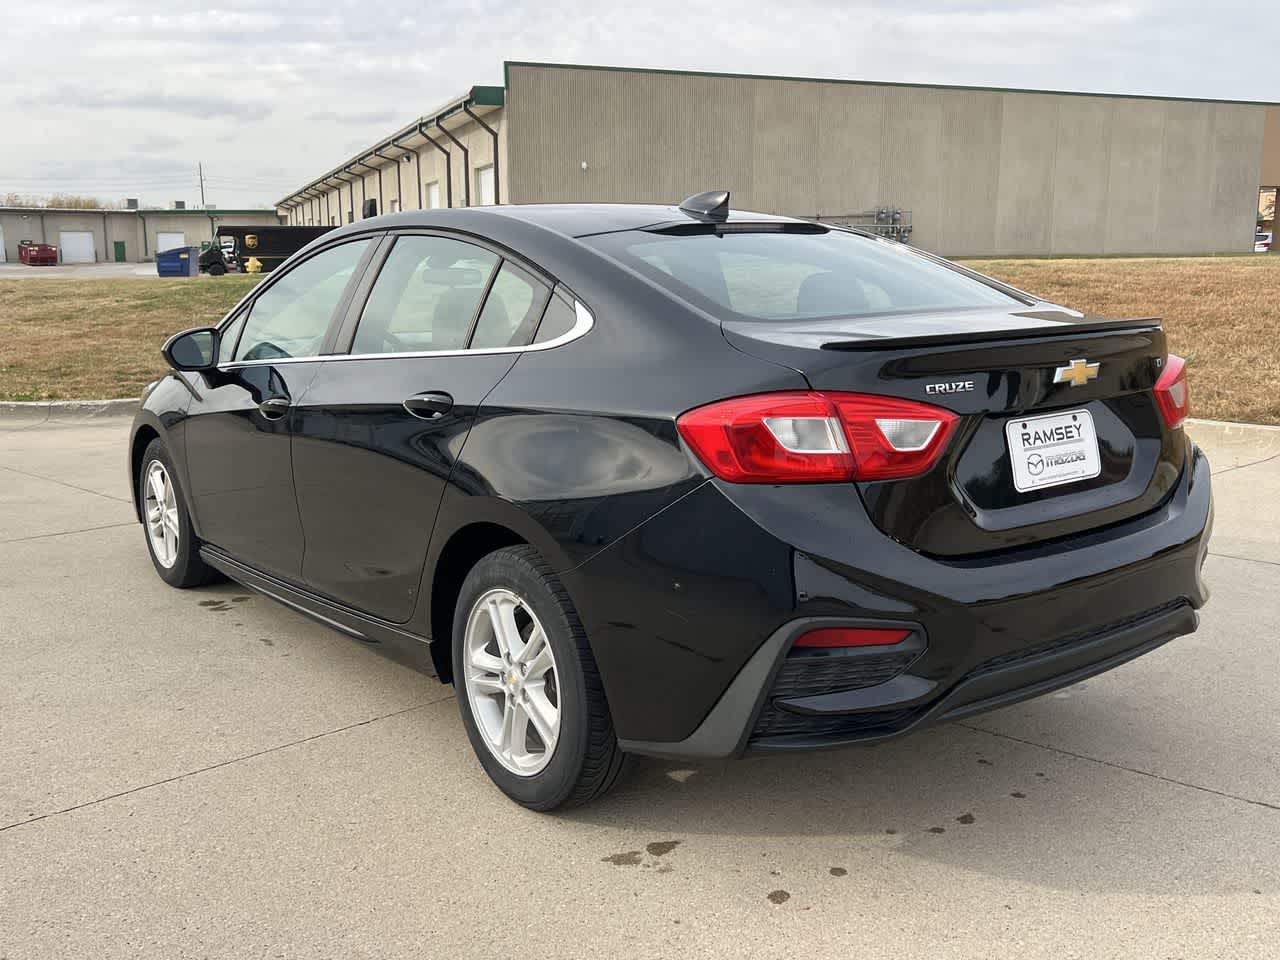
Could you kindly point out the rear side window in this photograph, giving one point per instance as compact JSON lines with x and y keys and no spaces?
{"x":558,"y":320}
{"x":425,"y":297}
{"x":511,"y":311}
{"x":290,"y":318}
{"x":797,"y":276}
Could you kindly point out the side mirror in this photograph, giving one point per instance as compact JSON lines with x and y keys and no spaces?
{"x":192,"y":350}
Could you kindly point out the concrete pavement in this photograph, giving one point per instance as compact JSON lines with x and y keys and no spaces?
{"x":76,"y":271}
{"x":208,"y":774}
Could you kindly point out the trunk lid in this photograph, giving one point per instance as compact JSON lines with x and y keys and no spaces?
{"x":997,"y":370}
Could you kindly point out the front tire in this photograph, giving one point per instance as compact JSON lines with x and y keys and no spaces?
{"x":171,"y":542}
{"x":527,"y":685}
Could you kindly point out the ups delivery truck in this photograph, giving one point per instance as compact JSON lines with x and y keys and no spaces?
{"x":269,"y":245}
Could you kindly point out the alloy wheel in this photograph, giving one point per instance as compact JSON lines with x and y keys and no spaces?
{"x":511,"y":682}
{"x":161,"y":506}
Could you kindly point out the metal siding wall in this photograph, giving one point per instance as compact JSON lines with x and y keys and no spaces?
{"x":983,"y":172}
{"x":970,"y":173}
{"x":849,"y":147}
{"x":1270,"y":173}
{"x":1183,"y":213}
{"x":1028,"y":145}
{"x":1235,"y":174}
{"x":1081,"y":174}
{"x":911,"y":158}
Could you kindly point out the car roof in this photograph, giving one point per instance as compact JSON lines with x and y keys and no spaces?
{"x":569,"y":219}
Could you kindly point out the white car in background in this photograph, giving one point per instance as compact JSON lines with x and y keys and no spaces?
{"x":1262,"y":241}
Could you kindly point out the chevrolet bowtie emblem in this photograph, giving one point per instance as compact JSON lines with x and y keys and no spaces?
{"x":1077,"y":373}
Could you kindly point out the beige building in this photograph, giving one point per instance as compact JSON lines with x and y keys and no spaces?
{"x":979,"y":171}
{"x":120,"y":236}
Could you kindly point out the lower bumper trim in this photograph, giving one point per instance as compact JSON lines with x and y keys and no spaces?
{"x":725,"y":731}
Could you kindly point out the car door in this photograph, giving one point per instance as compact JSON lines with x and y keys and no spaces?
{"x":237,"y":431}
{"x":379,"y":430}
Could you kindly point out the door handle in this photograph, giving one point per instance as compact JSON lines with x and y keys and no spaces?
{"x":274,"y":408}
{"x":429,"y":406}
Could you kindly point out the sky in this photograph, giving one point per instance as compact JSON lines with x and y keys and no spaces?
{"x":115,"y":99}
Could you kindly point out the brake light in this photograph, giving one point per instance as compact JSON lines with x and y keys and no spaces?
{"x":893,"y":438}
{"x":838,"y":637}
{"x":1172,"y":396}
{"x":812,"y":437}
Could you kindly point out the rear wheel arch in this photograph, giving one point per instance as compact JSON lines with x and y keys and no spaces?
{"x":463,"y":550}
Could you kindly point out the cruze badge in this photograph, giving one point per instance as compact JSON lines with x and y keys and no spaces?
{"x":1077,"y":373}
{"x":952,"y":386}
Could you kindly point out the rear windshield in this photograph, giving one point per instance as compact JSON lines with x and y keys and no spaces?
{"x":797,"y":276}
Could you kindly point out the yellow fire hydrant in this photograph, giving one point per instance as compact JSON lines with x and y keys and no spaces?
{"x":253,"y":265}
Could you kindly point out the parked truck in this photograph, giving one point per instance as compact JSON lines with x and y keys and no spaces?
{"x":270,"y":246}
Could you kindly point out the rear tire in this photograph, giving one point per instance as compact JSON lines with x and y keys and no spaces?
{"x":166,"y":524}
{"x":217,"y":270}
{"x":540,"y":681}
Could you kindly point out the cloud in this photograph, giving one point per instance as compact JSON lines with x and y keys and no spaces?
{"x":280,"y":92}
{"x":155,"y":100}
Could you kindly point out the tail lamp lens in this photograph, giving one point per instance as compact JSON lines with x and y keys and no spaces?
{"x":1172,"y":396}
{"x":811,"y":437}
{"x":842,"y":637}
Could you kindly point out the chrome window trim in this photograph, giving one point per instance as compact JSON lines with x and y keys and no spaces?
{"x":584,"y":321}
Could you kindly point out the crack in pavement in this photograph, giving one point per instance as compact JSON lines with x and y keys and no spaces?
{"x":1120,"y":766}
{"x":1232,"y":556}
{"x":67,"y":533}
{"x":63,"y":483}
{"x":1243,"y":466}
{"x":225,"y":763}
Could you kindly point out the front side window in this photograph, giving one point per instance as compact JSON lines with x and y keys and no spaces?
{"x":227,"y":339}
{"x":425,"y":297}
{"x":289,"y":318}
{"x":511,"y":311}
{"x":797,"y":276}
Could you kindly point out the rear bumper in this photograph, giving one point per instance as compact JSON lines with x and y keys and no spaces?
{"x":671,"y":611}
{"x":743,"y":719}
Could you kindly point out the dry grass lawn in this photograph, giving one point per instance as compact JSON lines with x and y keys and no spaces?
{"x":99,"y":339}
{"x":1222,"y":314}
{"x":71,"y":339}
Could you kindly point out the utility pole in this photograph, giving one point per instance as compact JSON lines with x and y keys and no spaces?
{"x":200,"y":171}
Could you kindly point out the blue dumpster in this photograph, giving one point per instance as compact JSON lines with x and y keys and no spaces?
{"x":178,"y":262}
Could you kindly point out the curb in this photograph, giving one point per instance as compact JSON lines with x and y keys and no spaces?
{"x":42,"y":410}
{"x":1232,"y":425}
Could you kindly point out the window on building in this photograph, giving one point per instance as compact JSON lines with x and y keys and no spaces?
{"x":351,"y":216}
{"x":425,"y":297}
{"x":433,"y":195}
{"x":395,"y":204}
{"x":484,"y":185}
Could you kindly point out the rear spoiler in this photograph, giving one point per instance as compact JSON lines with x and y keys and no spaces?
{"x":1091,"y":326}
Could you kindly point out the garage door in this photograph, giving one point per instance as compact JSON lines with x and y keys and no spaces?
{"x":76,"y":247}
{"x":170,"y":241}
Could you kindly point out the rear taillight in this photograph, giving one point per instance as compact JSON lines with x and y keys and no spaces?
{"x":1172,"y":395}
{"x":815,"y":437}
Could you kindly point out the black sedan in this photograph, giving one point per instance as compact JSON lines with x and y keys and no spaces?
{"x":678,"y":481}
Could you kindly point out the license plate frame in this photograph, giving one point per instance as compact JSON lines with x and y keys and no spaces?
{"x":1052,"y":449}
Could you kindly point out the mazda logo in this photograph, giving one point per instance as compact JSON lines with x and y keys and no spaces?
{"x":1035,"y":464}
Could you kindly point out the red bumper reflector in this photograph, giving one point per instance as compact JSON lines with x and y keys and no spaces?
{"x":852,"y":637}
